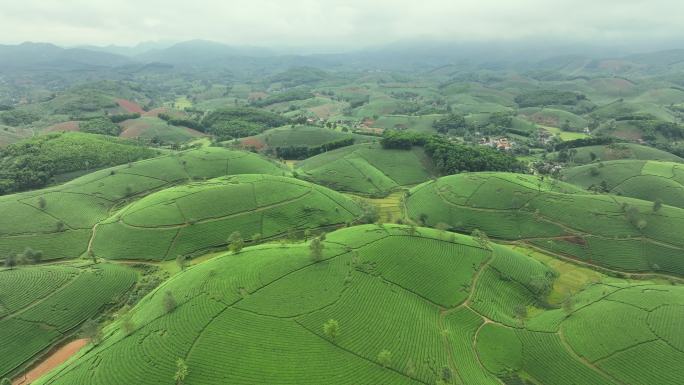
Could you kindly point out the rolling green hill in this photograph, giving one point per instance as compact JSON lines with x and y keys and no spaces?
{"x":618,"y":151}
{"x":367,"y":169}
{"x":41,"y":305}
{"x":647,"y":180}
{"x":615,"y":232}
{"x":198,"y":216}
{"x":59,"y":220}
{"x":301,"y":136}
{"x":387,"y":305}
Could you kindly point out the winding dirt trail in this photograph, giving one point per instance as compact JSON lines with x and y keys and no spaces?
{"x":55,"y":359}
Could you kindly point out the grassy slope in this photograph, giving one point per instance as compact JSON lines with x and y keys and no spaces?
{"x":309,"y":136}
{"x":62,"y":227}
{"x":615,"y":232}
{"x":367,"y":169}
{"x":198,"y":216}
{"x":442,"y":304}
{"x":622,"y":151}
{"x":647,"y":180}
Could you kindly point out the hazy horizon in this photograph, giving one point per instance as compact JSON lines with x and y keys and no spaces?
{"x":332,"y":25}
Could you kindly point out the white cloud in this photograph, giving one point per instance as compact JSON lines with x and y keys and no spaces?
{"x":343,"y":23}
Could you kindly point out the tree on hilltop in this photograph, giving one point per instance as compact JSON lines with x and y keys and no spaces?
{"x":169,"y":302}
{"x":316,"y":249}
{"x":385,"y":358}
{"x":182,"y":262}
{"x":235,"y":242}
{"x":181,"y":371}
{"x":657,"y":205}
{"x":10,"y":261}
{"x":331,"y":329}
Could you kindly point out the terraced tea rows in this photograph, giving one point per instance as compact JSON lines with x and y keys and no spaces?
{"x":647,"y":180}
{"x":441,"y":306}
{"x":367,"y":169}
{"x":198,"y":216}
{"x":615,"y":232}
{"x":41,"y":305}
{"x":58,"y":221}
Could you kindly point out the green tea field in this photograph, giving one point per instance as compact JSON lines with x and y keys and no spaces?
{"x":198,"y":216}
{"x":376,"y":307}
{"x":616,"y":232}
{"x":367,"y":169}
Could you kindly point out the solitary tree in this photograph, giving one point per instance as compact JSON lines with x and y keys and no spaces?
{"x":385,"y":358}
{"x":5,"y":381}
{"x":331,"y":329}
{"x":91,"y":330}
{"x":316,"y":249}
{"x":11,"y":261}
{"x":169,"y":302}
{"x":520,"y":312}
{"x":568,"y":305}
{"x":127,"y":324}
{"x":235,"y":242}
{"x":182,"y":262}
{"x":32,"y":255}
{"x":181,"y":371}
{"x":657,"y":205}
{"x":481,"y":238}
{"x":42,"y":203}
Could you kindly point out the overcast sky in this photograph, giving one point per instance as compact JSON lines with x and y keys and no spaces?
{"x":339,"y":23}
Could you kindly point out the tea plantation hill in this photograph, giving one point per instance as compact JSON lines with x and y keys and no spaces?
{"x":616,"y":151}
{"x":367,"y":169}
{"x":408,"y":306}
{"x":59,"y":220}
{"x":186,"y":219}
{"x":42,"y":305}
{"x":301,"y":136}
{"x":647,"y":180}
{"x":615,"y":232}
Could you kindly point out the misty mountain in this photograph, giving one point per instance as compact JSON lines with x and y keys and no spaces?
{"x":45,"y":55}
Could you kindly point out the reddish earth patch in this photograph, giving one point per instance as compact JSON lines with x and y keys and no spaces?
{"x":155,"y":112}
{"x":256,"y":96}
{"x":55,"y":359}
{"x":133,"y":128}
{"x":71,"y":125}
{"x":252,"y":142}
{"x":130,"y":106}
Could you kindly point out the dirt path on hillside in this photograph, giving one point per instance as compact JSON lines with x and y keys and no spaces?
{"x":55,"y":359}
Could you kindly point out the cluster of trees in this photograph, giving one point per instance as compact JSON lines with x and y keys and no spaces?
{"x":100,"y":125}
{"x":118,"y":118}
{"x":583,"y":142}
{"x":303,"y":152}
{"x":281,"y":97}
{"x":548,"y":98}
{"x":403,"y":140}
{"x":452,"y":121}
{"x":238,"y":122}
{"x":17,"y":118}
{"x":27,"y":257}
{"x":32,"y":163}
{"x":452,"y":158}
{"x":181,"y":122}
{"x":651,"y":128}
